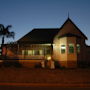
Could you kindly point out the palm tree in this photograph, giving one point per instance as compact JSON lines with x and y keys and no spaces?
{"x":4,"y":32}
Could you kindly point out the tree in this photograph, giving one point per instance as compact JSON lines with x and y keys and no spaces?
{"x":5,"y":33}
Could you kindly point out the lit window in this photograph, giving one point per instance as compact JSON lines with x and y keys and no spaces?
{"x":30,"y":52}
{"x":63,"y":49}
{"x":71,"y":48}
{"x":0,"y":50}
{"x":78,"y":48}
{"x":24,"y":52}
{"x":41,"y":52}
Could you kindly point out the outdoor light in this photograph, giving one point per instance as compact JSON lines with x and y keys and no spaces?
{"x":49,"y":58}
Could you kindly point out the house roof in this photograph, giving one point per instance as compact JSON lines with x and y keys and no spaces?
{"x":69,"y":24}
{"x":40,"y":36}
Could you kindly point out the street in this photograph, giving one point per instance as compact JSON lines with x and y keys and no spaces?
{"x":41,"y":88}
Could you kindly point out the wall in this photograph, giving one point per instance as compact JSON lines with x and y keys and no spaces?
{"x":62,"y":58}
{"x":66,"y":59}
{"x":71,"y":57}
{"x":70,"y":28}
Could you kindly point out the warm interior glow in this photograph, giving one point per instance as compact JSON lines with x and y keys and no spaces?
{"x":32,"y":52}
{"x":63,"y":49}
{"x":49,"y":58}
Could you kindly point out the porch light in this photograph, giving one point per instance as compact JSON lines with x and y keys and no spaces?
{"x":49,"y":58}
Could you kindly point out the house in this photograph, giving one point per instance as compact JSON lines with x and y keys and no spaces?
{"x":65,"y":45}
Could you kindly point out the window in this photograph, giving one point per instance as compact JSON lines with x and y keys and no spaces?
{"x":71,"y":48}
{"x":36,"y":52}
{"x":0,"y":49}
{"x":41,"y":52}
{"x":24,"y":52}
{"x":30,"y":52}
{"x":63,"y":49}
{"x":47,"y":52}
{"x":78,"y":48}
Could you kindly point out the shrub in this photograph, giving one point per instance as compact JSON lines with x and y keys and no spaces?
{"x":57,"y":64}
{"x":38,"y":65}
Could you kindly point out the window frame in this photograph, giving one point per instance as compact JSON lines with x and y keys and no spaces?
{"x":63,"y":49}
{"x":78,"y":48}
{"x":71,"y":48}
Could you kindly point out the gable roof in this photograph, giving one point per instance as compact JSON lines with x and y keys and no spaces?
{"x":64,"y":30}
{"x":42,"y":36}
{"x":39,"y":36}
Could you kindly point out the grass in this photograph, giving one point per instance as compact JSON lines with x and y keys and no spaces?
{"x":27,"y":75}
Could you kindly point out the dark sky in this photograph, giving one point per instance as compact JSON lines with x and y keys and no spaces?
{"x":24,"y":15}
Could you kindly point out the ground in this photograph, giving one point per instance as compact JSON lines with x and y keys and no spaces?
{"x":56,"y":76}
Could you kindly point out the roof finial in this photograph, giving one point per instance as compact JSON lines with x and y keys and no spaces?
{"x":68,"y":14}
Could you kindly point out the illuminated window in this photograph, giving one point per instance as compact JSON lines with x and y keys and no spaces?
{"x":0,"y":50}
{"x":78,"y":48}
{"x":30,"y":52}
{"x":37,"y":52}
{"x":63,"y":49}
{"x":71,"y":48}
{"x":24,"y":52}
{"x":41,"y":52}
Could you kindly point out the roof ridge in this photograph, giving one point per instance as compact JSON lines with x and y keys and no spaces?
{"x":68,"y":19}
{"x":44,"y":28}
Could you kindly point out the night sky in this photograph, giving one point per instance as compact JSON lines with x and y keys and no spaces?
{"x":24,"y":15}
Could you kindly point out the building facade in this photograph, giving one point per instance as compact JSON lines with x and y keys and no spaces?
{"x":65,"y":45}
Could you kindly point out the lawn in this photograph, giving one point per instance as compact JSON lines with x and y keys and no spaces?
{"x":27,"y":75}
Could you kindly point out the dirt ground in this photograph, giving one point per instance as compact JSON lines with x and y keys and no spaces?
{"x":27,"y":75}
